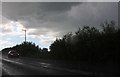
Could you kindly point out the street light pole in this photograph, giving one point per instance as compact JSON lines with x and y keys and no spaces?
{"x":25,"y":34}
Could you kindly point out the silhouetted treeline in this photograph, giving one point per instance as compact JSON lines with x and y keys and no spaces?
{"x":87,"y":44}
{"x":29,"y":49}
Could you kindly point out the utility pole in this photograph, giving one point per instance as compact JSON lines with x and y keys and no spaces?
{"x":25,"y":34}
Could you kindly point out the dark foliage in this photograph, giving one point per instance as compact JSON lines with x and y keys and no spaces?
{"x":28,"y":49}
{"x":89,"y":45}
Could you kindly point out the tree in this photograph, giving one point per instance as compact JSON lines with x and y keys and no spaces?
{"x":28,"y":49}
{"x":89,"y":44}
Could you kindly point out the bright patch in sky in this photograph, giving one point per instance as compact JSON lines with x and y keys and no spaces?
{"x":12,"y":34}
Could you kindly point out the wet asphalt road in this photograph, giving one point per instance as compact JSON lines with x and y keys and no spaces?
{"x":29,"y":66}
{"x":20,"y":66}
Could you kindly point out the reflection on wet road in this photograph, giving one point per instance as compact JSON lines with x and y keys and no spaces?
{"x":29,"y":66}
{"x":20,"y":66}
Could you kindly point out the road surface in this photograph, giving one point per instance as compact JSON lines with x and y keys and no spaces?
{"x":29,"y":66}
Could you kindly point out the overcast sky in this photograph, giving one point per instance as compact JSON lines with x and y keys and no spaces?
{"x":45,"y":21}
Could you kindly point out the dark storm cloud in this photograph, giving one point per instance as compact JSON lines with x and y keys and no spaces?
{"x":14,"y":10}
{"x":59,"y":16}
{"x":0,"y":13}
{"x":94,"y":13}
{"x":57,"y":6}
{"x":39,"y":14}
